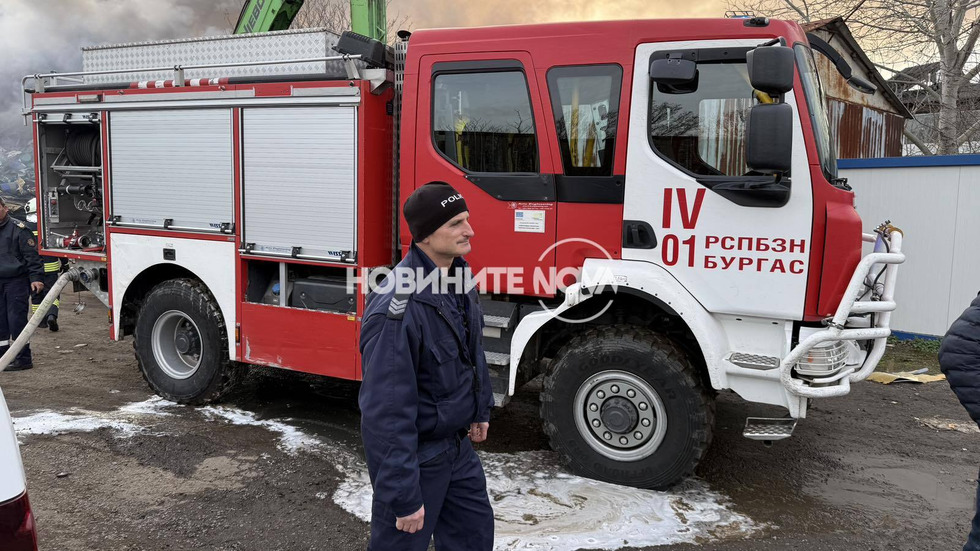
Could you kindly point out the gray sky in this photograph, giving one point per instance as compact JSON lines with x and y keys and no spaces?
{"x":46,"y":35}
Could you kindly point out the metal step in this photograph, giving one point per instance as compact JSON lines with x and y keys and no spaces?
{"x":499,"y":314}
{"x":497,"y":358}
{"x":768,"y":429}
{"x":754,"y":361}
{"x":502,"y":322}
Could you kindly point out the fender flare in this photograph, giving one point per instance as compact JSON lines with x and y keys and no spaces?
{"x":648,"y":281}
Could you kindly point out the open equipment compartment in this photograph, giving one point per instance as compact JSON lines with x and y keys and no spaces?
{"x":70,"y":161}
{"x":305,"y":286}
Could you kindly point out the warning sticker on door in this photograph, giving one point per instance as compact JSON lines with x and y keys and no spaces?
{"x":529,"y":221}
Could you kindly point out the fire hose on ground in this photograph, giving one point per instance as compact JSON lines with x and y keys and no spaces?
{"x":42,"y":310}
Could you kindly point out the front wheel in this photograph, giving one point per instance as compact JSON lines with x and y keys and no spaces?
{"x":181,"y":344}
{"x":624,"y":405}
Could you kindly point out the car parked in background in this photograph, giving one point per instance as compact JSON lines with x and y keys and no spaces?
{"x":17,"y":531}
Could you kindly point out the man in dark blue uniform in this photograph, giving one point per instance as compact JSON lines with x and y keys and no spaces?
{"x":959,"y":360}
{"x":426,"y":389}
{"x":20,"y":274}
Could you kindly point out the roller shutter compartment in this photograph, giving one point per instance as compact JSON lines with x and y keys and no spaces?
{"x":299,"y":181}
{"x":173,"y":168}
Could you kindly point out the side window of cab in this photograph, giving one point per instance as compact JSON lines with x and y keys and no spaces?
{"x":482,"y":121}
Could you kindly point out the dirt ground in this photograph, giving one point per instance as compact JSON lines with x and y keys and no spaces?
{"x":878,"y":469}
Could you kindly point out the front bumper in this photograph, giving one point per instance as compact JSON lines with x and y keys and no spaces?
{"x":859,"y":298}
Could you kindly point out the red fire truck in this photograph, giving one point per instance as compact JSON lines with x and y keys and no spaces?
{"x":678,"y":177}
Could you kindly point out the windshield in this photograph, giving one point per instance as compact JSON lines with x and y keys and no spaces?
{"x":817,"y":104}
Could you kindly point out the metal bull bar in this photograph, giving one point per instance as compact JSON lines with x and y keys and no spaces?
{"x":853,"y":302}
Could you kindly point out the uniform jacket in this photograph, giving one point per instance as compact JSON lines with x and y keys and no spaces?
{"x":51,"y":264}
{"x":959,"y":358}
{"x":423,"y":381}
{"x":18,"y":251}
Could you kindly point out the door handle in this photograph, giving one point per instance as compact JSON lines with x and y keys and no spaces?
{"x":638,"y":234}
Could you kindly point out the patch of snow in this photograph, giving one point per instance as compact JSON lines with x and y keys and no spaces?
{"x":538,"y":506}
{"x":291,"y":439}
{"x":354,"y":492}
{"x":123,"y":420}
{"x":53,"y":423}
{"x":153,"y":406}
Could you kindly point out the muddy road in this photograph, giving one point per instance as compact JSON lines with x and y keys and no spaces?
{"x":278,"y":466}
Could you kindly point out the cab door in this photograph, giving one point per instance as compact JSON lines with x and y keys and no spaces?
{"x":480,"y":128}
{"x":739,"y":241}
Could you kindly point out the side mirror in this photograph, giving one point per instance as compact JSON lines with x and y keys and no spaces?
{"x":771,"y":69}
{"x":769,"y":138}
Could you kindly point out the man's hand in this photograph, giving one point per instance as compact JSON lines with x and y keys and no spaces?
{"x":412,"y":523}
{"x":478,"y":431}
{"x":37,"y":286}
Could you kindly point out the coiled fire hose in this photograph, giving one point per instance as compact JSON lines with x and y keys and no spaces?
{"x":42,"y":310}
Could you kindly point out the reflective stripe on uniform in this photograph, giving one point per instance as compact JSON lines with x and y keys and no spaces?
{"x":56,"y":304}
{"x":5,"y":343}
{"x":54,"y":266}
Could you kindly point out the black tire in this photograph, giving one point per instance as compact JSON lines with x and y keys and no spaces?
{"x":189,"y":364}
{"x":619,"y":382}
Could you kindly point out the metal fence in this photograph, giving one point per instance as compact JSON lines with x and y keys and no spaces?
{"x":936,"y":201}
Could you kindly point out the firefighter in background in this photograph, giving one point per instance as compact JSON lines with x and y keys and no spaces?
{"x":20,"y":274}
{"x":52,"y":269}
{"x":426,"y":390}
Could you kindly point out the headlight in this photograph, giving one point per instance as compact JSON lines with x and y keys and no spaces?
{"x":823,"y":360}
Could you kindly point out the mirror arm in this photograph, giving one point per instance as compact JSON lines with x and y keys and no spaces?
{"x":830,"y":53}
{"x":781,"y":41}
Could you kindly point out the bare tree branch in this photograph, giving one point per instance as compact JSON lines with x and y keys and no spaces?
{"x":793,"y":6}
{"x":929,"y":47}
{"x":917,"y":142}
{"x":969,"y":75}
{"x":969,"y":131}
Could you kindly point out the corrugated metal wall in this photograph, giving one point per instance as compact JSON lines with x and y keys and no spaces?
{"x":863,"y":132}
{"x":935,"y":201}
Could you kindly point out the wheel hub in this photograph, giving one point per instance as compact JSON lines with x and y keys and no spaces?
{"x":186,"y":340}
{"x":619,"y":414}
{"x":176,"y":344}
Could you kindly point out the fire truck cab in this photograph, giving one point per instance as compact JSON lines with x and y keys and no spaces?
{"x":657,"y":219}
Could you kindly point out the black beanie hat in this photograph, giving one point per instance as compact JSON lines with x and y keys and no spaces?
{"x":431,"y":206}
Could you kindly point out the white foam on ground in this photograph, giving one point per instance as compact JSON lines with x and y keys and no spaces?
{"x":538,"y":506}
{"x":125,"y":420}
{"x":53,"y":423}
{"x":291,"y":439}
{"x":154,"y":406}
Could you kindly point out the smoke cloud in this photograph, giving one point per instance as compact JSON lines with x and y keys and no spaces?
{"x":440,"y":13}
{"x":44,"y":36}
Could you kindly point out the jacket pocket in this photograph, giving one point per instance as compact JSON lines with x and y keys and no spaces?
{"x":445,"y":371}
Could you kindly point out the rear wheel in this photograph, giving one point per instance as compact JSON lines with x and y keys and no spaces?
{"x":181,"y":344}
{"x":625,"y":405}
